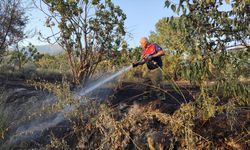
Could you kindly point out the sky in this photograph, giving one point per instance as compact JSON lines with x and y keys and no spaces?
{"x":142,"y":15}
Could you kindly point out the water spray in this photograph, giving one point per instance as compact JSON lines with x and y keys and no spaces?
{"x":85,"y":91}
{"x":34,"y":128}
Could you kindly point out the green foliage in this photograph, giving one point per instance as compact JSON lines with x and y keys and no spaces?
{"x":232,"y":68}
{"x":27,"y":64}
{"x":21,"y":56}
{"x":213,"y":28}
{"x":209,"y":30}
{"x":126,"y":56}
{"x":88,"y":29}
{"x":48,"y":62}
{"x":172,"y":37}
{"x":196,"y":71}
{"x":205,"y":32}
{"x":53,"y":62}
{"x":135,"y":53}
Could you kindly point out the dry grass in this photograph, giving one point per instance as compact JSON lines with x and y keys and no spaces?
{"x":96,"y":125}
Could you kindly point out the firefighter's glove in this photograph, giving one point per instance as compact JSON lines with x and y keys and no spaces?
{"x":150,"y":57}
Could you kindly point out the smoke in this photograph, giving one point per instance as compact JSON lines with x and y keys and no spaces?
{"x":33,"y":129}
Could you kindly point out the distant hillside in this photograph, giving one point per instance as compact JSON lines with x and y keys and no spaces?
{"x":49,"y":49}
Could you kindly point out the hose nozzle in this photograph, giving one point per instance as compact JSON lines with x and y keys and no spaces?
{"x":135,"y":64}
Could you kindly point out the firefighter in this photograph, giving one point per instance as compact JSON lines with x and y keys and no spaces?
{"x":151,"y":55}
